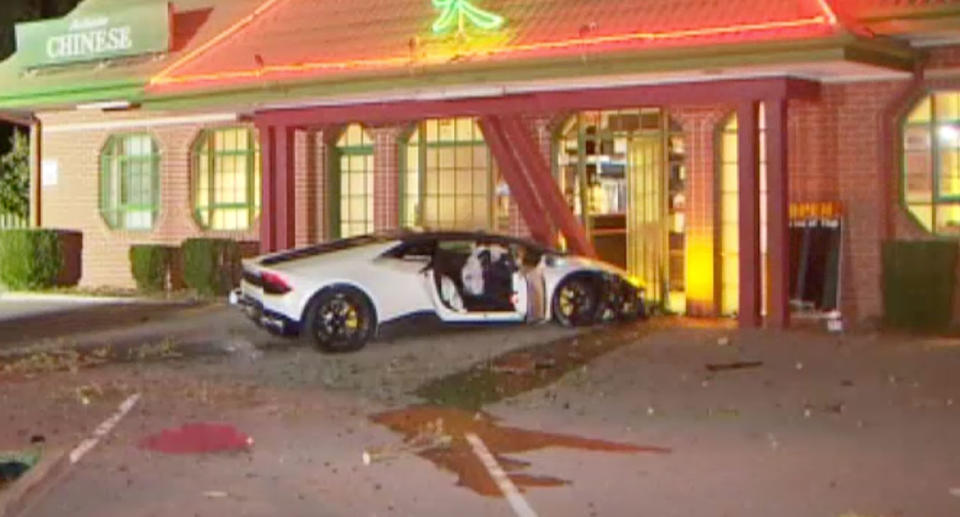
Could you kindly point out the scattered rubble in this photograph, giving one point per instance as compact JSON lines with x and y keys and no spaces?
{"x":14,"y":464}
{"x":739,"y":365}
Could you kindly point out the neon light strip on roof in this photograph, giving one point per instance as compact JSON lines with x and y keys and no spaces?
{"x":230,"y":31}
{"x":828,"y":18}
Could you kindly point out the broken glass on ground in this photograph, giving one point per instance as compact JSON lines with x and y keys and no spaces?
{"x":14,"y":464}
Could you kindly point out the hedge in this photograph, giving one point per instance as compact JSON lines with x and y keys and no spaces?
{"x":211,"y":266}
{"x":153,"y":266}
{"x":919,"y":278}
{"x":30,"y":259}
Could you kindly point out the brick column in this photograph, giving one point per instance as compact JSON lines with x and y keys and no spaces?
{"x":386,"y":183}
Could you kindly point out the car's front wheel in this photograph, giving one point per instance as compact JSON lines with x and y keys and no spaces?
{"x":339,"y":319}
{"x":575,"y":302}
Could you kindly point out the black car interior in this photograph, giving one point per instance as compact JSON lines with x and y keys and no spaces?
{"x":451,"y":257}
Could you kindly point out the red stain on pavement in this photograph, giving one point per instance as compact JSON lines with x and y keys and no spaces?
{"x":197,"y":439}
{"x":457,"y":455}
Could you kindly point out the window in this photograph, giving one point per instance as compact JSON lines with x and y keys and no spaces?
{"x":931,"y":163}
{"x":129,"y":182}
{"x":352,"y":178}
{"x":729,"y":224}
{"x":226,"y":182}
{"x":448,"y":181}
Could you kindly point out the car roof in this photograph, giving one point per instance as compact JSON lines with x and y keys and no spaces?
{"x":415,"y":236}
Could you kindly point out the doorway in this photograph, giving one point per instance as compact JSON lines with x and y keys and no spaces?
{"x":623,"y":175}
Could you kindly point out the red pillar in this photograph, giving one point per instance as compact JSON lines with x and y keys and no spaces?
{"x":538,"y":173}
{"x":778,"y":230}
{"x":749,"y":204}
{"x":267,"y":190}
{"x":284,"y":176}
{"x":520,"y":188}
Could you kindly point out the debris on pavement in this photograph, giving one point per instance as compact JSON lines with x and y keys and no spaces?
{"x":457,"y":455}
{"x":723,"y":341}
{"x":14,"y":464}
{"x":431,"y":436}
{"x":837,"y":408}
{"x":198,"y":438}
{"x":955,"y":492}
{"x":527,"y":369}
{"x":216,"y":494}
{"x":739,"y":365}
{"x":87,"y":393}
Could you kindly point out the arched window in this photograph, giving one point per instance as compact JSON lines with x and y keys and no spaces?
{"x":226,"y":179}
{"x":448,"y":180}
{"x":728,"y":194}
{"x":352,"y":177}
{"x":129,"y":182}
{"x":931,"y":163}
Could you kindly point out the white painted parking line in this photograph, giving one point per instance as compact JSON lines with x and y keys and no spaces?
{"x":103,"y":429}
{"x":517,"y":502}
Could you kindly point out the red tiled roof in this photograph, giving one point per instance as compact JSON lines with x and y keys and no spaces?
{"x":302,"y":38}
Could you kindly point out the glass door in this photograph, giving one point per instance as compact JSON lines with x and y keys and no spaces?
{"x":647,"y":223}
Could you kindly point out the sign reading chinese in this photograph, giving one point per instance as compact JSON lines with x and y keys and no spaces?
{"x":125,"y":31}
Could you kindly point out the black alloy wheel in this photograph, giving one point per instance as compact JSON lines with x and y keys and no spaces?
{"x":575,"y":302}
{"x":339,"y":320}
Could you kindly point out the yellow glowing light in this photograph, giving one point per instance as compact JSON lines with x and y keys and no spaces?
{"x":699,"y":282}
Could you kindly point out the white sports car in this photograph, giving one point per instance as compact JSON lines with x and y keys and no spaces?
{"x":336,"y":295}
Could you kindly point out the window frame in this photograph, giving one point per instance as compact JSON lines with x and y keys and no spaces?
{"x":335,"y":177}
{"x":112,"y":150}
{"x":936,"y":199}
{"x":253,"y":165}
{"x":423,"y":145}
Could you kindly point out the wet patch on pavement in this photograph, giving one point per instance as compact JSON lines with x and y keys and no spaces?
{"x":437,"y":434}
{"x":527,"y":369}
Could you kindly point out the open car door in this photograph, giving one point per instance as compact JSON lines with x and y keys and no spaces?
{"x":472,"y":283}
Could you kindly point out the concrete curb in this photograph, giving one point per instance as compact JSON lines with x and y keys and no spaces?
{"x":18,"y":497}
{"x":16,"y":296}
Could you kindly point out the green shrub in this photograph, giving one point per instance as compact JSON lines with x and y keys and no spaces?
{"x":211,"y":266}
{"x":918,"y":284}
{"x":152,"y":266}
{"x":30,"y":259}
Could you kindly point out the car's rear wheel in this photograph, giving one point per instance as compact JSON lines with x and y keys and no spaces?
{"x":339,"y":319}
{"x":575,"y":302}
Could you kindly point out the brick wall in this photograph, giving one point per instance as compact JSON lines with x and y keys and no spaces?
{"x":386,"y":183}
{"x":73,"y":203}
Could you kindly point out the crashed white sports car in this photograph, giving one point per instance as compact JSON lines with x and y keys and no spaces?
{"x":337,"y":295}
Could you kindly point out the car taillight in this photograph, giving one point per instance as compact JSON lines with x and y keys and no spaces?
{"x":274,"y":283}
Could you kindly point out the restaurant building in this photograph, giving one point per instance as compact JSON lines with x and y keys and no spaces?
{"x":675,"y":138}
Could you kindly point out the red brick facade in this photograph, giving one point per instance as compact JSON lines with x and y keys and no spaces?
{"x":841,"y":148}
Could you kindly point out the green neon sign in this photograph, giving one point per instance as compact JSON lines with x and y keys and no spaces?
{"x":457,"y":13}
